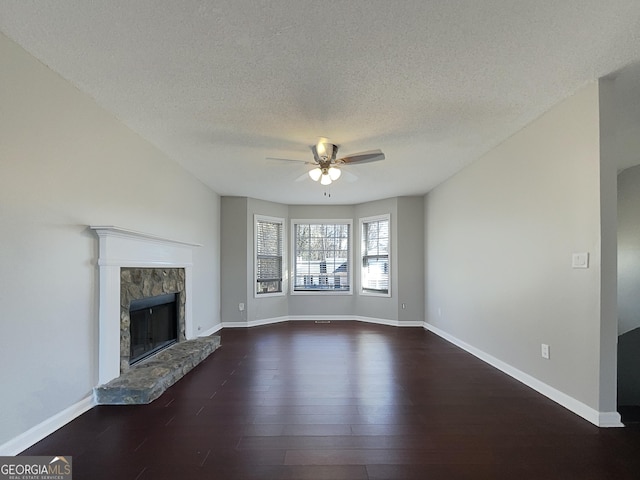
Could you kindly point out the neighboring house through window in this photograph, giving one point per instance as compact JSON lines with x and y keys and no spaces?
{"x":269,"y":249}
{"x":375,"y":273}
{"x":321,"y":256}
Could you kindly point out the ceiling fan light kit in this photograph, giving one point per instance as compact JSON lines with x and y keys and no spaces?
{"x":325,"y":175}
{"x":315,"y":174}
{"x":334,"y":173}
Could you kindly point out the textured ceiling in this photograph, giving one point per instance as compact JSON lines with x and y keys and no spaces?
{"x":219,"y":86}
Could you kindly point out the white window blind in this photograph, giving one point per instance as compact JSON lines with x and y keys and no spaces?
{"x":321,"y":257}
{"x":375,"y":255}
{"x":269,"y":252}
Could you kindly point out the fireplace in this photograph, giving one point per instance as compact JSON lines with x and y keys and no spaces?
{"x":124,"y":253}
{"x":153,"y":325}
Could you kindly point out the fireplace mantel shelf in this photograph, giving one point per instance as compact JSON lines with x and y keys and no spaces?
{"x":113,"y":230}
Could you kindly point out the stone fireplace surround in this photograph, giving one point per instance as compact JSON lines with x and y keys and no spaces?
{"x":139,"y":283}
{"x":120,"y":248}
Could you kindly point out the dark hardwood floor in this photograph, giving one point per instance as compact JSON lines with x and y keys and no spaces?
{"x":348,"y":401}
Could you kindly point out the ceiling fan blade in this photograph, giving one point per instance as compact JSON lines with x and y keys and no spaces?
{"x":363,"y":157}
{"x":289,"y":160}
{"x":349,"y":177}
{"x":302,"y":177}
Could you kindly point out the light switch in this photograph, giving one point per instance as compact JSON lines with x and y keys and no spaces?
{"x":580,"y":260}
{"x":544,"y":350}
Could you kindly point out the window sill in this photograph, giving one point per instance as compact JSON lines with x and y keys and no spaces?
{"x":269,"y":295}
{"x":327,"y":292}
{"x":376,"y":294}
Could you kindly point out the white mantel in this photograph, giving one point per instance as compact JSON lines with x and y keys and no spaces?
{"x":119,"y":247}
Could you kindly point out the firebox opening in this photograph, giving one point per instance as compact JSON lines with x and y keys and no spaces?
{"x":154,"y":325}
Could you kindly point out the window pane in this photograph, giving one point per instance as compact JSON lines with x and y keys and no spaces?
{"x":269,"y":267}
{"x":270,"y":287}
{"x":321,"y":257}
{"x":316,"y":231}
{"x":375,"y":256}
{"x":269,"y":250}
{"x":383,"y":245}
{"x":375,"y":274}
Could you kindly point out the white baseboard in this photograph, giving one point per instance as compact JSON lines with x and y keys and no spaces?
{"x":318,"y":318}
{"x":254,"y":323}
{"x":391,"y":323}
{"x":600,"y":419}
{"x":609,"y":420}
{"x":211,"y":330}
{"x":267,"y":321}
{"x":355,"y":318}
{"x":242,"y":324}
{"x":50,"y":425}
{"x":321,"y":318}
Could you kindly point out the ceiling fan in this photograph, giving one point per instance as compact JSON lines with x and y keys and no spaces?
{"x":327,"y":166}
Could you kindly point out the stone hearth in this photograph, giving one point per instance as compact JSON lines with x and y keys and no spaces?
{"x":147,"y":380}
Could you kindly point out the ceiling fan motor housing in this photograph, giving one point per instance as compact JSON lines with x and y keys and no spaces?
{"x":324,"y":153}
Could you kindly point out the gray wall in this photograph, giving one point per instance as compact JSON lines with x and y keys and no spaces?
{"x":65,"y":164}
{"x":411,"y":253}
{"x":234,"y":259}
{"x":612,"y":152}
{"x":499,"y":242}
{"x":407,"y":258}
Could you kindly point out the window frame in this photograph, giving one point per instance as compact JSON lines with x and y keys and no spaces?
{"x":368,"y":291}
{"x":293,"y":252}
{"x":283,"y":257}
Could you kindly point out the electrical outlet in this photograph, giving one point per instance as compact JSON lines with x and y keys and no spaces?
{"x":241,"y":307}
{"x":544,"y":351}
